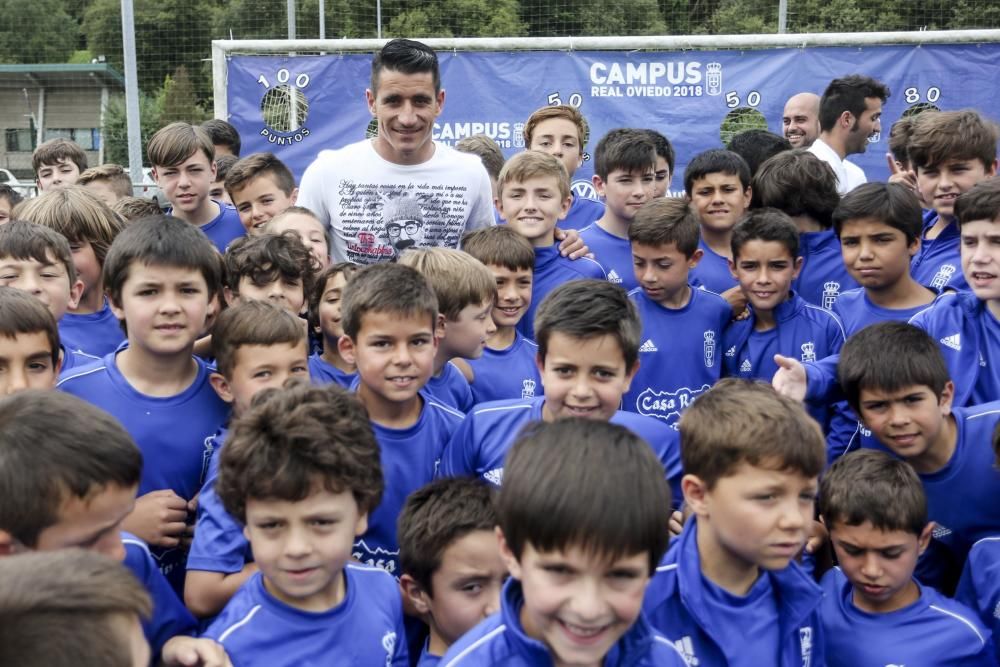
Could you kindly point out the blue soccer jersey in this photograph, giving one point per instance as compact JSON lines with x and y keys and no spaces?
{"x":502,"y":640}
{"x":712,"y":272}
{"x":551,"y":271}
{"x":979,"y":587}
{"x":366,"y":628}
{"x":934,"y":630}
{"x":681,"y":606}
{"x":451,"y":388}
{"x":481,"y":443}
{"x":322,"y":372}
{"x":170,"y":618}
{"x":509,"y":373}
{"x":94,"y":334}
{"x":583,"y":212}
{"x":613,"y":253}
{"x":410,"y":458}
{"x":219,"y":544}
{"x":72,"y":359}
{"x":174,"y":433}
{"x":224,"y":228}
{"x":680,"y":355}
{"x":938,"y":264}
{"x":823,"y":276}
{"x":856,"y":311}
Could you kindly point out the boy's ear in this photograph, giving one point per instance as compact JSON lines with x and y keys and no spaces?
{"x":293,"y":196}
{"x":947,"y":396}
{"x":797,"y":267}
{"x":361,"y":525}
{"x":75,"y":294}
{"x":598,"y":184}
{"x":415,"y":594}
{"x":732,"y":267}
{"x":993,"y":168}
{"x":695,"y":258}
{"x":630,"y":375}
{"x":498,"y":205}
{"x":924,"y":539}
{"x":345,"y":345}
{"x":221,"y":386}
{"x":747,"y":197}
{"x":232,"y":298}
{"x":58,"y":367}
{"x":508,"y":557}
{"x":566,"y":204}
{"x":8,"y":545}
{"x":695,"y":494}
{"x":440,"y":326}
{"x":914,"y":247}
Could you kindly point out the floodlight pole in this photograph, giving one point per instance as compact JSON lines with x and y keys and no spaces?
{"x":782,"y":16}
{"x":131,"y":94}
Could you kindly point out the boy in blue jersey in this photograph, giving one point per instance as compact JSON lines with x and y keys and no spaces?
{"x":578,"y":569}
{"x":325,"y":318}
{"x":29,"y":343}
{"x":90,"y":227}
{"x":879,"y":229}
{"x":805,"y":188}
{"x":718,"y":184}
{"x":71,"y":607}
{"x":161,"y":274}
{"x":896,"y":381}
{"x":38,"y":260}
{"x":682,"y":327}
{"x":390,"y":314}
{"x":951,"y":152}
{"x":624,"y":175}
{"x":561,"y":131}
{"x":301,"y":471}
{"x":465,"y":291}
{"x":507,"y":367}
{"x":874,"y":611}
{"x":261,"y":187}
{"x":665,"y":160}
{"x":270,"y":267}
{"x":256,"y":346}
{"x":766,"y":262}
{"x":451,"y":568}
{"x":183,"y":159}
{"x":588,"y":354}
{"x":727,"y":592}
{"x":534,"y":196}
{"x":68,"y":483}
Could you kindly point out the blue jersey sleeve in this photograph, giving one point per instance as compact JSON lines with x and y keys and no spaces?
{"x":219,"y":544}
{"x":458,"y":458}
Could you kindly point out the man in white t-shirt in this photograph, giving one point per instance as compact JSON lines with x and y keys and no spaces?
{"x":401,"y":188}
{"x":850,"y":113}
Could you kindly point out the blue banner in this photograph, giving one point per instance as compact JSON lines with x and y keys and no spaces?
{"x":684,"y":95}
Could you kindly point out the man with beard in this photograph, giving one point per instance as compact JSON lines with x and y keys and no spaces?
{"x":800,"y":119}
{"x":849,"y":114}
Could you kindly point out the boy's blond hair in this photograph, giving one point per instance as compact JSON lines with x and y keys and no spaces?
{"x":500,"y":245}
{"x":740,"y":421}
{"x":54,"y":151}
{"x":937,"y":136}
{"x":133,"y":208}
{"x":533,"y":164}
{"x":486,"y":150}
{"x":457,"y":278}
{"x":256,"y":165}
{"x":564,"y":111}
{"x":176,"y":142}
{"x":76,"y":214}
{"x":115,"y":176}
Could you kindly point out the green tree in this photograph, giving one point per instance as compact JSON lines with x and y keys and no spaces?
{"x":455,"y":18}
{"x":39,"y":31}
{"x":178,"y":100}
{"x":115,"y":128}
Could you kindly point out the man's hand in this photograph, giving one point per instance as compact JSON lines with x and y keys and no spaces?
{"x":902,"y":176}
{"x":791,"y":379}
{"x":184,"y":651}
{"x":158,"y":518}
{"x":570,"y":243}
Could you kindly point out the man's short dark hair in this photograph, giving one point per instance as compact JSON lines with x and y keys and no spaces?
{"x":586,"y":484}
{"x":980,"y":202}
{"x":585,"y":309}
{"x":892,"y":204}
{"x":437,"y":515}
{"x":296,"y":438}
{"x":757,"y":146}
{"x":406,"y":56}
{"x":871,"y":486}
{"x":889,"y":357}
{"x":223,"y":134}
{"x":716,"y":161}
{"x":160,"y":240}
{"x":766,"y":224}
{"x":55,"y":447}
{"x":626,"y":150}
{"x":848,"y":93}
{"x":798,"y":183}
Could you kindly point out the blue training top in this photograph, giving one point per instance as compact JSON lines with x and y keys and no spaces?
{"x":504,"y":374}
{"x":551,"y":271}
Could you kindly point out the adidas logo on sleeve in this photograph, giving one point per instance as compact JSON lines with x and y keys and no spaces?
{"x":746,"y":366}
{"x":613,"y":277}
{"x":953,"y":341}
{"x":648,"y":346}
